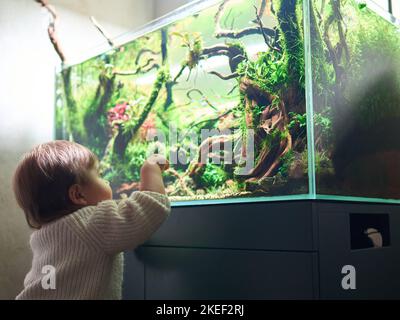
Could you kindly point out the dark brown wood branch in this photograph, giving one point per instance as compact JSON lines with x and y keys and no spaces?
{"x":51,"y":29}
{"x":235,"y":54}
{"x":94,"y":115}
{"x":259,"y":21}
{"x":102,"y":97}
{"x":169,"y":84}
{"x":319,"y":16}
{"x":140,"y":70}
{"x":335,"y":52}
{"x":149,"y":65}
{"x":293,"y":42}
{"x":261,"y":9}
{"x":102,"y":31}
{"x":342,"y":45}
{"x":211,"y":119}
{"x":228,"y":77}
{"x":270,"y":159}
{"x":332,"y":56}
{"x":205,"y":149}
{"x":66,"y":76}
{"x":178,"y":75}
{"x":144,"y":51}
{"x":263,"y":6}
{"x":271,"y":119}
{"x":236,"y":34}
{"x":319,"y":53}
{"x":233,"y":89}
{"x":213,"y":50}
{"x":272,"y":8}
{"x":267,"y":39}
{"x":243,"y":32}
{"x":125,"y":73}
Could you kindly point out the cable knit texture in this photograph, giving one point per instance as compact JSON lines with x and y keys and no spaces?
{"x":85,"y":247}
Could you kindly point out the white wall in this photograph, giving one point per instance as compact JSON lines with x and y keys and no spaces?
{"x":162,"y":7}
{"x":385,"y":5}
{"x":27,"y":62}
{"x":26,"y":97}
{"x":77,"y":32}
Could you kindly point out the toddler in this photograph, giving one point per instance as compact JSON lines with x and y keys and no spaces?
{"x":80,"y":231}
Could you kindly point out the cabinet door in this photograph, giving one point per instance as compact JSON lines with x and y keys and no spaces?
{"x":180,"y":273}
{"x":284,"y":226}
{"x":376,"y":269}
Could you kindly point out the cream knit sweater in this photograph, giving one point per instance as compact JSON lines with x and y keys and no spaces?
{"x":85,"y":248}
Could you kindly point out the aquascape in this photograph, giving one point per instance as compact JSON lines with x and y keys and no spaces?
{"x":306,"y":92}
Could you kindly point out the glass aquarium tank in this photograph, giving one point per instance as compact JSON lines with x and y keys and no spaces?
{"x":250,"y":100}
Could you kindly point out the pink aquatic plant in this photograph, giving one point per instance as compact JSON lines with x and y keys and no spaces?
{"x":118,"y":114}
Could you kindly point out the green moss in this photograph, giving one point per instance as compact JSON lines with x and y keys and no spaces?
{"x":269,"y":71}
{"x":118,"y":171}
{"x":213,"y":177}
{"x":297,"y":119}
{"x":289,"y":14}
{"x":286,"y":161}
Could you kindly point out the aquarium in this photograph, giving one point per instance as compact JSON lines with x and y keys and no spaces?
{"x":250,"y":100}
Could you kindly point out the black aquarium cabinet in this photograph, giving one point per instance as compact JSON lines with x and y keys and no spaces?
{"x":275,"y":250}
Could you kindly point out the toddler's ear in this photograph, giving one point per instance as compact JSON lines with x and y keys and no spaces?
{"x":76,"y":195}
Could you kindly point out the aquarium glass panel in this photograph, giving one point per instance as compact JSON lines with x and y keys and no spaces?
{"x":220,"y":91}
{"x":355,"y":59}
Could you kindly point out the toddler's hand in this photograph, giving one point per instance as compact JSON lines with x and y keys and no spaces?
{"x":160,"y":160}
{"x":151,"y":174}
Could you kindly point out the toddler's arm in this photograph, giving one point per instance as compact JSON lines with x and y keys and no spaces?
{"x":120,"y":226}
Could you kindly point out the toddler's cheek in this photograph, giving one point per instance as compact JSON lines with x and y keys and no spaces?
{"x":109,"y":192}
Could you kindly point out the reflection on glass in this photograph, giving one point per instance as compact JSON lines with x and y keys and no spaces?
{"x":356,"y":88}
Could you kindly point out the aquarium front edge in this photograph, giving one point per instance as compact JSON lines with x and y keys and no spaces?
{"x":309,"y":101}
{"x":296,"y":197}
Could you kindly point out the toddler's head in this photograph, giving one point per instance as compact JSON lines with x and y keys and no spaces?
{"x":57,"y":178}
